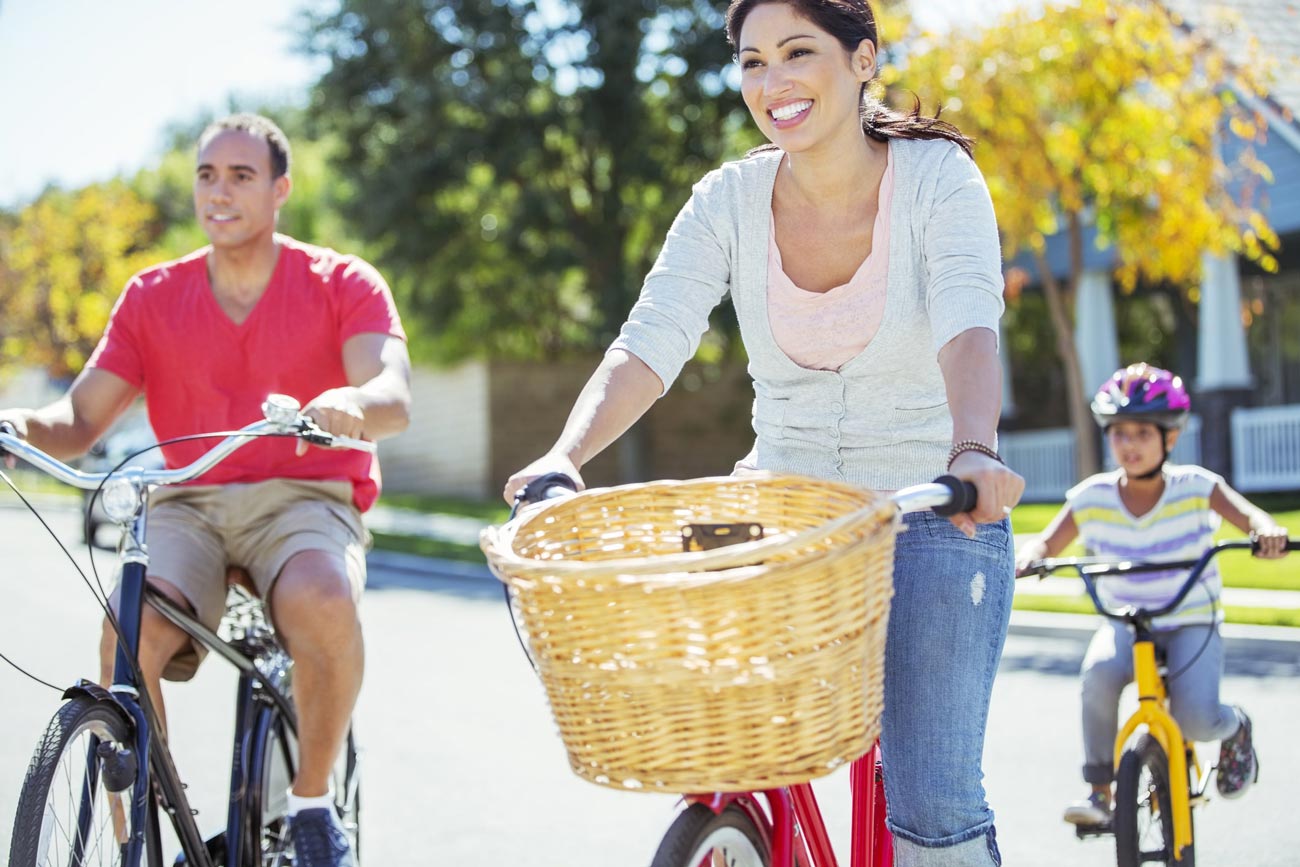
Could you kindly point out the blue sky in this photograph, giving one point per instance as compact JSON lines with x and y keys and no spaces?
{"x":87,"y":87}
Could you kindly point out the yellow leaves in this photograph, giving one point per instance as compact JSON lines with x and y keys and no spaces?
{"x":1243,"y":127}
{"x":68,"y":255}
{"x":1107,"y":109}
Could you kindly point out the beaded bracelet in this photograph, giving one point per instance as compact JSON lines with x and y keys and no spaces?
{"x":972,"y":446}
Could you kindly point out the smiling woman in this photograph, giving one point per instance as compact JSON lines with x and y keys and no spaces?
{"x":860,"y":252}
{"x":92,"y":138}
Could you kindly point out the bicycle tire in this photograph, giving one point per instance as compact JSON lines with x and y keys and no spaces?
{"x":273,"y":759}
{"x":57,"y":782}
{"x":1143,"y":823}
{"x":697,"y":834}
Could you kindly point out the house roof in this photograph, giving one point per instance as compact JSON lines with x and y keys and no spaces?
{"x":1248,"y":29}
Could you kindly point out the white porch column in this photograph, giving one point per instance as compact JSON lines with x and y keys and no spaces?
{"x":1094,"y":329}
{"x":1221,"y":357}
{"x":1004,"y":356}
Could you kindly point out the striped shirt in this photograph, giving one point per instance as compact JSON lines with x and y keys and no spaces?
{"x":1180,"y":526}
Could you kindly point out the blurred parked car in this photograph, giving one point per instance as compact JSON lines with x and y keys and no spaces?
{"x":128,"y":439}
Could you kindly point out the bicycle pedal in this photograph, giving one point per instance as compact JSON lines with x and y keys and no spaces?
{"x":1083,"y":832}
{"x":216,"y":846}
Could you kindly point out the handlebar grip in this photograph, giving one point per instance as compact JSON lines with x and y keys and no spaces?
{"x":545,"y":487}
{"x":963,"y":496}
{"x":7,"y":428}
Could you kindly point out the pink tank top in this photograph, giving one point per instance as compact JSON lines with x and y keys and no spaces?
{"x":825,"y":330}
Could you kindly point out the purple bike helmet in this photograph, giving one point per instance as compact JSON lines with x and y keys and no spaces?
{"x":1142,"y":392}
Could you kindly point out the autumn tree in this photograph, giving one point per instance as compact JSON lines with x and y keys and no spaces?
{"x":1101,"y":118}
{"x":66,"y":257}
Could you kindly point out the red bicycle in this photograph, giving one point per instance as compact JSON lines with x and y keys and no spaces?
{"x":657,"y":615}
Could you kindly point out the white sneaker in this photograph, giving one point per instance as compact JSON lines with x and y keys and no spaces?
{"x":1095,"y":810}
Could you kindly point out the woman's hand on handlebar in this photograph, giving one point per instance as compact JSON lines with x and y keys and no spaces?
{"x":538,"y":468}
{"x":1270,"y":542}
{"x":998,"y":486}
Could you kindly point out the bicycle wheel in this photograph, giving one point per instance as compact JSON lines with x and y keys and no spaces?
{"x":67,"y":813}
{"x":1144,"y":822}
{"x":273,"y":761}
{"x":698,"y":837}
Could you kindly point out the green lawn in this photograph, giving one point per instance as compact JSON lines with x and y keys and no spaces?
{"x":1238,"y":569}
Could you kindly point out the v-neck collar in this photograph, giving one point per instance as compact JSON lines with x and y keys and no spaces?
{"x":898,"y":160}
{"x":211,"y":294}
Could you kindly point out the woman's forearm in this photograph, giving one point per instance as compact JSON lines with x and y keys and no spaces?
{"x":620,"y":391}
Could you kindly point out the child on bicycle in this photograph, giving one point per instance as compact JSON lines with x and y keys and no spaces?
{"x":1149,"y":509}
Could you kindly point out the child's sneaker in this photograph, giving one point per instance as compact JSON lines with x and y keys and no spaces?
{"x":1095,"y":810}
{"x":1238,"y":764}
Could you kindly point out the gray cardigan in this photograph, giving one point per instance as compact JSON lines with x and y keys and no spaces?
{"x":882,"y":420}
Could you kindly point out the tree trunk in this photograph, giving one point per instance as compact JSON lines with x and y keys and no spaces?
{"x":1058,"y":306}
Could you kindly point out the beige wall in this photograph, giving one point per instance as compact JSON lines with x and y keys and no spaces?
{"x":445,"y":450}
{"x":701,"y":427}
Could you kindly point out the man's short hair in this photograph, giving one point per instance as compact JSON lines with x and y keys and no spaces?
{"x":258,"y":127}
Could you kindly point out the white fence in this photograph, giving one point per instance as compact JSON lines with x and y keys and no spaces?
{"x":1046,"y":457}
{"x":1266,"y":448}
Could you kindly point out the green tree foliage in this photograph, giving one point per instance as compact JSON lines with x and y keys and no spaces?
{"x":518,"y":163}
{"x":64,"y":259}
{"x":1101,"y":113}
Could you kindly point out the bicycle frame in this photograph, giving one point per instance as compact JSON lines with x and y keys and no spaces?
{"x":255,"y":689}
{"x":1152,"y":713}
{"x":796,"y":827}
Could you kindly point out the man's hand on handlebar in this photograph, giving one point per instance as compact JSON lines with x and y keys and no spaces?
{"x":13,"y":424}
{"x":338,"y":412}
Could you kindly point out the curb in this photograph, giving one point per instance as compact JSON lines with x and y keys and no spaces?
{"x":1281,"y":641}
{"x":1270,"y":640}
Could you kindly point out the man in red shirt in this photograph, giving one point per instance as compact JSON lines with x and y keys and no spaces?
{"x":205,"y":339}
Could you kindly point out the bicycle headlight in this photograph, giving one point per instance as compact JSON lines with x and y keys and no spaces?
{"x":120,"y":500}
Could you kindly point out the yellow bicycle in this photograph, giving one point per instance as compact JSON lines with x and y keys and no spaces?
{"x":1158,"y":778}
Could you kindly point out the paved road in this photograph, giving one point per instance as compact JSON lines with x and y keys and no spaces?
{"x":463,"y":764}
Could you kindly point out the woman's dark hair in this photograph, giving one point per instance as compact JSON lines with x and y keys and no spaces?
{"x":850,"y":22}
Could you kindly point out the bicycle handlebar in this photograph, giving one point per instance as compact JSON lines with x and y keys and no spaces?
{"x":946,"y":495}
{"x":282,"y":419}
{"x":1092,"y":568}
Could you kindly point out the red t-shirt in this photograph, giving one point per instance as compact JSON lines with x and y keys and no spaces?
{"x":200,"y":372}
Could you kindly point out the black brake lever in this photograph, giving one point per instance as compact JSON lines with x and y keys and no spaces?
{"x":310,"y":432}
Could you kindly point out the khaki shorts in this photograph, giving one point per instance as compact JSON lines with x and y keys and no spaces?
{"x":195,"y":533}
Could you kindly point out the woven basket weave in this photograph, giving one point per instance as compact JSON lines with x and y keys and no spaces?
{"x":736,"y":669}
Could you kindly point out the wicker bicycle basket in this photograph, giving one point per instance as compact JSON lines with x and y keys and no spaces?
{"x":739,"y":668}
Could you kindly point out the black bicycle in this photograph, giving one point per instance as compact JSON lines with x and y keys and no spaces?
{"x":102,"y":772}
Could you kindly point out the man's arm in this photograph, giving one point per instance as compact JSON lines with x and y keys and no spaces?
{"x":376,"y":403}
{"x":69,"y":426}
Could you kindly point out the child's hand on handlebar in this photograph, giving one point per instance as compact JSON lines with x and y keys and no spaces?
{"x":1270,"y":542}
{"x":998,"y":486}
{"x":538,"y":468}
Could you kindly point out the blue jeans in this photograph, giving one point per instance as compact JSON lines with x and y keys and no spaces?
{"x":947,"y":624}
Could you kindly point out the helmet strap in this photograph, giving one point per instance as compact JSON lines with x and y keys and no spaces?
{"x":1164,"y":456}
